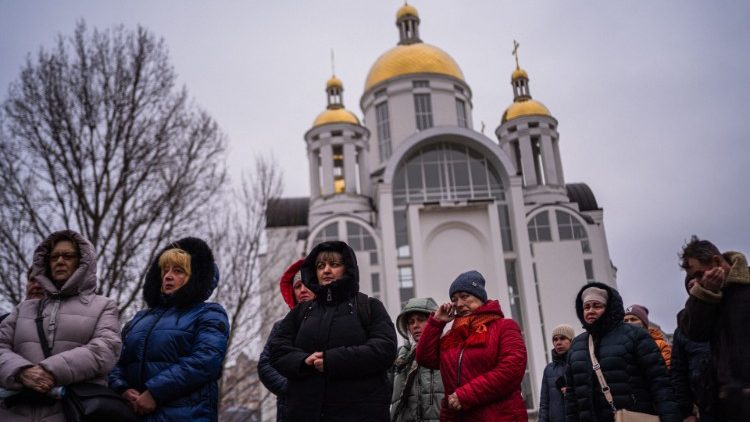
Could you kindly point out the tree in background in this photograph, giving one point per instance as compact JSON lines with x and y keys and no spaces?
{"x":96,"y":137}
{"x":248,"y":285}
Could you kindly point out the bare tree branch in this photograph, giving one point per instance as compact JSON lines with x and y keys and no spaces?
{"x":96,"y":137}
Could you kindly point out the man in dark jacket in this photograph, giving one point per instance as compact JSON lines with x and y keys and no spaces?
{"x":551,"y":402}
{"x":335,"y":354}
{"x":294,"y":292}
{"x":631,"y":363}
{"x":717,"y":311}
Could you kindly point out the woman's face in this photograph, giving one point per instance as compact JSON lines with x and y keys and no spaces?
{"x":465,"y":303}
{"x":634,"y":320}
{"x":301,"y":292}
{"x":561,"y":344}
{"x":174,"y":277}
{"x":593,"y":310}
{"x":329,"y":268}
{"x":415,"y":323}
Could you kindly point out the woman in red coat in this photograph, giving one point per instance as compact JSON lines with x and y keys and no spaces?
{"x":482,"y":357}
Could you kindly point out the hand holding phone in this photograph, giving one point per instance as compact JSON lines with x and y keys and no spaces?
{"x":446,"y":312}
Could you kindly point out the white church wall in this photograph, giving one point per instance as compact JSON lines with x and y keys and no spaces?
{"x":560,"y":273}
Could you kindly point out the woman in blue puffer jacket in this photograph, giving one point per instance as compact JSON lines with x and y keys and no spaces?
{"x":173,"y":351}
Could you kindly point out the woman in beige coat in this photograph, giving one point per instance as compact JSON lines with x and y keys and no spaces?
{"x":82,"y":328}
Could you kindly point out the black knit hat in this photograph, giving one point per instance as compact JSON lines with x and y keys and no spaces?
{"x":470,"y":282}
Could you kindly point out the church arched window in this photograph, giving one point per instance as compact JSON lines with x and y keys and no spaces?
{"x":359,"y":238}
{"x":570,"y":228}
{"x":445,"y":171}
{"x":539,"y":228}
{"x":329,"y":232}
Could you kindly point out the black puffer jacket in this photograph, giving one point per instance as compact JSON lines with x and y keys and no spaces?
{"x":271,"y":378}
{"x":354,"y":385}
{"x":552,"y":403}
{"x":693,"y":376}
{"x":632,"y":366}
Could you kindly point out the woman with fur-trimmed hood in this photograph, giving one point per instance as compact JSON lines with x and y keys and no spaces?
{"x":335,"y":350}
{"x":82,"y":327}
{"x":173,"y":351}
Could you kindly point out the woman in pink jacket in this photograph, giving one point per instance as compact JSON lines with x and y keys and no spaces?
{"x":482,"y":358}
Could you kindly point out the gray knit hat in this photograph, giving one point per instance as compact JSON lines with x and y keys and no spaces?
{"x":470,"y":282}
{"x":564,"y":330}
{"x":596,"y":294}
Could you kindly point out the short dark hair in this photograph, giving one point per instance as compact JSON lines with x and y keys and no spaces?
{"x":701,"y":250}
{"x":58,"y":237}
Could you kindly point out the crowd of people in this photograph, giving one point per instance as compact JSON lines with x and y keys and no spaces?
{"x":166,"y":361}
{"x":335,"y":355}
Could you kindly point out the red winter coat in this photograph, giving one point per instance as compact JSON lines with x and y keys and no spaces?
{"x":492,"y":367}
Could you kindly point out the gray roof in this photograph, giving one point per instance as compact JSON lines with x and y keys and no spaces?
{"x":581,"y":194}
{"x":287,"y":212}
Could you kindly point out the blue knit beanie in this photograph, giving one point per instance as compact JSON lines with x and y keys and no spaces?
{"x":470,"y":282}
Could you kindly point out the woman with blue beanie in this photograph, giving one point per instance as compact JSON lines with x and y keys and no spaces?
{"x":482,"y":358}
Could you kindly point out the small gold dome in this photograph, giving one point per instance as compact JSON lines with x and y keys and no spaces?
{"x":334,"y":82}
{"x":519,"y":73}
{"x":412,"y":58}
{"x":335,"y":115}
{"x":525,"y":108}
{"x":406,"y":9}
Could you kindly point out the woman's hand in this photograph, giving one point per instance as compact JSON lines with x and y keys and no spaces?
{"x":37,"y":379}
{"x":130,"y":395}
{"x":310,"y":360}
{"x":318,"y":363}
{"x":144,"y":404}
{"x":445,"y":312}
{"x":453,"y":402}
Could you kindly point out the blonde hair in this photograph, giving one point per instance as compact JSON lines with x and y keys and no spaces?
{"x":175,"y":257}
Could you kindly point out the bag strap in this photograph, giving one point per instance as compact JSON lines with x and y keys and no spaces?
{"x":363,"y":310}
{"x":600,"y":376}
{"x":40,"y":329}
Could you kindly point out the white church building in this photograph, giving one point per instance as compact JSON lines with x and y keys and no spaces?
{"x":422,"y":196}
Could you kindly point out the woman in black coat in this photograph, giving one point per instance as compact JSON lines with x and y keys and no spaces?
{"x":630,"y":361}
{"x":335,"y":350}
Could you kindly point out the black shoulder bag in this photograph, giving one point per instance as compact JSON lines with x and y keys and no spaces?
{"x":87,"y":401}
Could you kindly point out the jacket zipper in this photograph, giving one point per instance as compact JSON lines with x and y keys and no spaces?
{"x":145,"y":349}
{"x":460,"y":359}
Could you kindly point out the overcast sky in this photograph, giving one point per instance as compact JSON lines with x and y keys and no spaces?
{"x":651,"y":97}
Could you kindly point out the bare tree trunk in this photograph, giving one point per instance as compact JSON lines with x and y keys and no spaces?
{"x":95,"y":137}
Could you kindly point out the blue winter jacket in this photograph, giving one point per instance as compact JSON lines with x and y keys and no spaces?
{"x":176,"y":354}
{"x":175,"y":348}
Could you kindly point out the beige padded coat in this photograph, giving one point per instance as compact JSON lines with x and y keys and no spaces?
{"x":82,"y":328}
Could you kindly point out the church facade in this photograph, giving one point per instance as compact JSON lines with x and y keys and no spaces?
{"x":422,"y":196}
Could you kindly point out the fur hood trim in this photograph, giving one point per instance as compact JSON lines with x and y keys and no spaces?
{"x":200,"y":285}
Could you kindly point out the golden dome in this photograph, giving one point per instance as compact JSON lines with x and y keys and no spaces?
{"x":335,"y":115}
{"x":525,"y":108}
{"x":412,"y":58}
{"x":519,"y":73}
{"x":334,"y":82}
{"x":406,"y":9}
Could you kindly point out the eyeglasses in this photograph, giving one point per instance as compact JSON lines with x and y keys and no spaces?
{"x":66,"y":256}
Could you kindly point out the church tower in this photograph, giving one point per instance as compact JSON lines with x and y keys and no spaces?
{"x":528,"y":134}
{"x":337,"y":155}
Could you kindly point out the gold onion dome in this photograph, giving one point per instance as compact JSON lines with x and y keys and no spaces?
{"x":334,"y":82}
{"x":336,"y":115}
{"x":405,"y":10}
{"x":518,"y":74}
{"x":412,"y":58}
{"x":525,"y":108}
